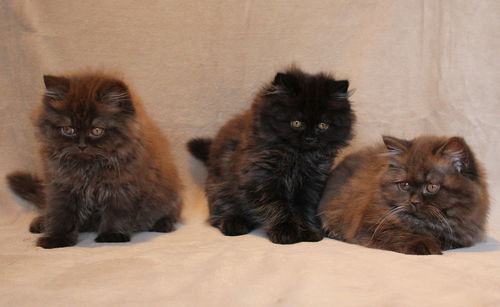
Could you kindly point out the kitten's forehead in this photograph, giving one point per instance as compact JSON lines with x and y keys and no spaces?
{"x":423,"y":163}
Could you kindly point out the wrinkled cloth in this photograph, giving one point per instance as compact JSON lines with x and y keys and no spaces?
{"x":418,"y":67}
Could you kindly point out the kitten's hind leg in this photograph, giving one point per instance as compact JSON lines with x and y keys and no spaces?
{"x":232,"y":225}
{"x":37,"y":225}
{"x":226,"y":210}
{"x":164,"y":224}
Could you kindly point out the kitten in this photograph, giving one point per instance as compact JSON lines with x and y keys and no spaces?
{"x":268,"y":166}
{"x":106,"y":167}
{"x":414,"y":197}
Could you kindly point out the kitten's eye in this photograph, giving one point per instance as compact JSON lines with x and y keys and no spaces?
{"x":96,"y":131}
{"x":432,"y":188}
{"x":323,"y":126}
{"x":296,"y":124}
{"x":404,"y":186}
{"x":67,"y":131}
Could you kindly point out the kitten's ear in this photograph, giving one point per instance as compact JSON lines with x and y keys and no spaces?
{"x":396,"y":146}
{"x":456,"y":151}
{"x":341,"y":90}
{"x":116,"y":94}
{"x":56,"y":87}
{"x":284,"y":83}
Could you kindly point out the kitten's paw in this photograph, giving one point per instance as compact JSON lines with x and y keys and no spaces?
{"x":55,"y":242}
{"x":165,"y":224}
{"x":424,"y":247}
{"x":233,"y":225}
{"x":37,"y":225}
{"x":311,"y":235}
{"x":112,"y":237}
{"x":290,"y":232}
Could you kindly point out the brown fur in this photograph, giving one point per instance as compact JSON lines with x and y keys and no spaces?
{"x":364,"y":205}
{"x":119,"y":183}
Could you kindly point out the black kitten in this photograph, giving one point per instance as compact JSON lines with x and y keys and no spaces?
{"x":268,"y":166}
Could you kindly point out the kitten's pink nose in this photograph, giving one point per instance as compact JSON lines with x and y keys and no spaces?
{"x":82,"y":147}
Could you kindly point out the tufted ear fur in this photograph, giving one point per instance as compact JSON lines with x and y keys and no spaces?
{"x":456,"y":151}
{"x":396,"y":146}
{"x":56,"y":88}
{"x":116,"y":94}
{"x":284,"y":84}
{"x":341,"y":90}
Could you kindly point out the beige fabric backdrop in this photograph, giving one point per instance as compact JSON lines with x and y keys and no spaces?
{"x":418,"y":67}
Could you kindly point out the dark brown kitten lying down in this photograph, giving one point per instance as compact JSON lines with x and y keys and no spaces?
{"x":414,"y":197}
{"x":107,"y":168}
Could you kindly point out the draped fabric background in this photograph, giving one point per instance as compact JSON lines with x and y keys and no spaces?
{"x":418,"y":67}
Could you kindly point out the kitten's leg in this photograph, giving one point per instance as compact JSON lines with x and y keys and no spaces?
{"x":61,"y":221}
{"x":116,"y":221}
{"x":37,"y":225}
{"x":164,"y":224}
{"x":405,"y":242}
{"x":290,"y":229}
{"x":292,"y":222}
{"x":225,"y":211}
{"x":232,"y":225}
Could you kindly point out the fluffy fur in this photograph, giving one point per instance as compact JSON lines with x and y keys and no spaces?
{"x":116,"y":179}
{"x":414,"y":197}
{"x":263,"y":171}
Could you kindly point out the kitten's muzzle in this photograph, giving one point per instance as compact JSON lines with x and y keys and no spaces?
{"x":310,"y":140}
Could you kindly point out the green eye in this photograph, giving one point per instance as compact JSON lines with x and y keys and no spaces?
{"x":404,"y":186}
{"x":67,"y":131}
{"x":96,"y":131}
{"x":296,"y":124}
{"x":432,"y":188}
{"x":323,"y":126}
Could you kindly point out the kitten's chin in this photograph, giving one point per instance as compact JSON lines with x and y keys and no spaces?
{"x":86,"y":156}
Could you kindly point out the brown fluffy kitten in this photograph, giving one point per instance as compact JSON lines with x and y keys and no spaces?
{"x":106,"y":167}
{"x":414,"y":197}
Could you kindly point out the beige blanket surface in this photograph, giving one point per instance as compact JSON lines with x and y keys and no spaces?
{"x":418,"y":67}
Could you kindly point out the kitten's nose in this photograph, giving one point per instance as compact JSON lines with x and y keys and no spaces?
{"x":82,"y":147}
{"x":415,"y":201}
{"x":309,"y":139}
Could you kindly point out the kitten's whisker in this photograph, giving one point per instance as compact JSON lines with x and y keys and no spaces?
{"x":391,"y":212}
{"x":441,"y":218}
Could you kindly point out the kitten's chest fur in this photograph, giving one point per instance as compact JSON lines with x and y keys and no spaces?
{"x":91,"y":183}
{"x":294,"y":171}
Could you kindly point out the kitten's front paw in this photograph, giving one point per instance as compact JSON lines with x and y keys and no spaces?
{"x":289,"y":233}
{"x":233,"y":225}
{"x":424,"y":247}
{"x":37,"y":225}
{"x":55,"y":242}
{"x":165,"y":224}
{"x":112,"y":237}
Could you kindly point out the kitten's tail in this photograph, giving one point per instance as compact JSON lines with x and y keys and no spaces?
{"x":28,"y":187}
{"x":200,"y":148}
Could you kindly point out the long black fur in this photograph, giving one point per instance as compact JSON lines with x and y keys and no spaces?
{"x":264,"y":172}
{"x":200,"y":148}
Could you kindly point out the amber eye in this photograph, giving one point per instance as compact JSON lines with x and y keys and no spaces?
{"x":96,"y":131}
{"x":404,"y":186}
{"x":432,"y":188}
{"x":296,"y":124}
{"x":323,"y":126}
{"x":68,"y":131}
